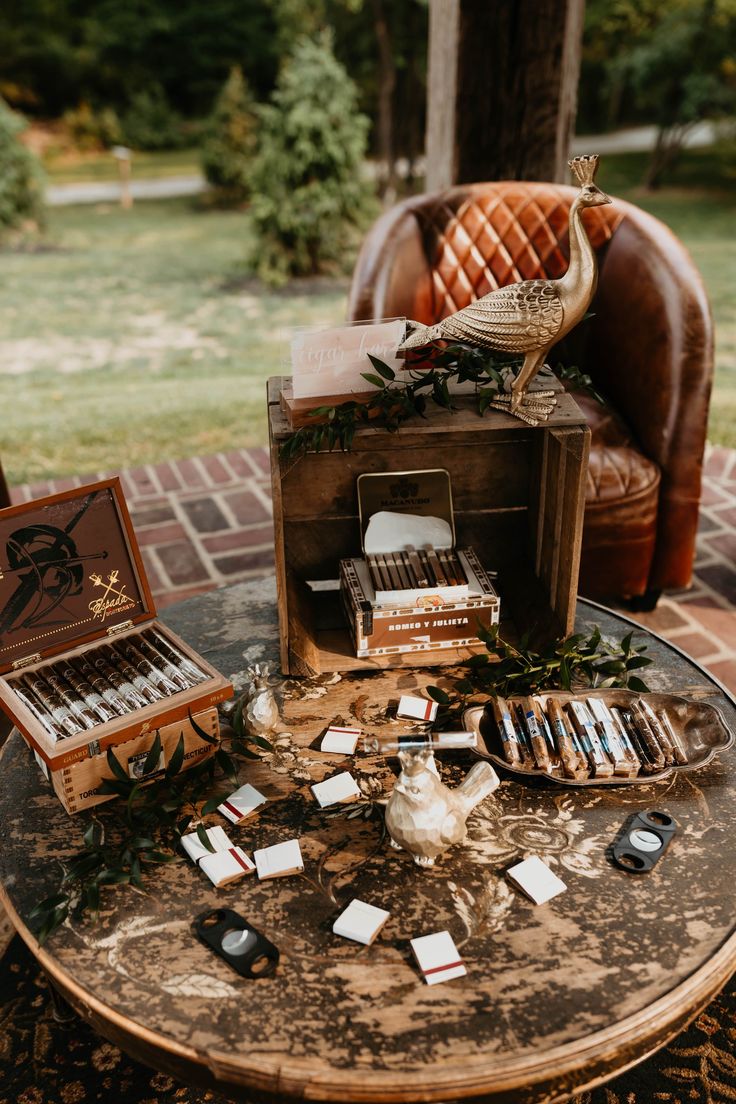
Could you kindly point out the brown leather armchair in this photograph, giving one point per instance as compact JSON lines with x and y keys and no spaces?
{"x":648,"y":348}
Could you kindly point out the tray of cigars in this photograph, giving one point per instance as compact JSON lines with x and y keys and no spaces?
{"x":598,"y":737}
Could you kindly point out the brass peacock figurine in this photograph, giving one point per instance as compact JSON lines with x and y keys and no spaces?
{"x":532,"y":316}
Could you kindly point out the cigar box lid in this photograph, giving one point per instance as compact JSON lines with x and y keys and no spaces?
{"x":70,"y":570}
{"x":427,"y":493}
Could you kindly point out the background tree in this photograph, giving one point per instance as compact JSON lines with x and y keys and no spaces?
{"x":21,"y":179}
{"x":229,"y":141}
{"x":307,"y":182}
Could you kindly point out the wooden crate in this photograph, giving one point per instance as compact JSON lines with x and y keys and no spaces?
{"x":518,"y":495}
{"x":77,"y":785}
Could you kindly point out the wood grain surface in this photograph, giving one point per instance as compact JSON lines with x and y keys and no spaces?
{"x":556,"y":997}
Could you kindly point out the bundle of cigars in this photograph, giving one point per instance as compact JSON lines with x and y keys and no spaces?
{"x":585,"y":738}
{"x":75,"y":694}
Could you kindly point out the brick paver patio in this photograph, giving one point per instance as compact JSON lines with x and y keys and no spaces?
{"x":206,"y":522}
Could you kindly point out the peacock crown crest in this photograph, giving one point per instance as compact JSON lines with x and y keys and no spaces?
{"x":584,"y":168}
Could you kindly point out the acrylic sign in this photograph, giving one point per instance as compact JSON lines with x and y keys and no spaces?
{"x":330,"y":361}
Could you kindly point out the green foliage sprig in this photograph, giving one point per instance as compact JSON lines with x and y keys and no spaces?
{"x":396,"y":400}
{"x":155,"y":815}
{"x":570,"y":663}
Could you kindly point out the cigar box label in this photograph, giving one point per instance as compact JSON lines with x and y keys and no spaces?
{"x":536,"y":880}
{"x":332,"y":791}
{"x":360,"y":921}
{"x":437,"y":957}
{"x":136,"y":763}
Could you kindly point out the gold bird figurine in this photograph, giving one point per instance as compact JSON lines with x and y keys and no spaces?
{"x":423,"y":816}
{"x":532,"y":316}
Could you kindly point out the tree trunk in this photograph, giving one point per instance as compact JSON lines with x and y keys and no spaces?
{"x":502,"y":85}
{"x":386,"y":85}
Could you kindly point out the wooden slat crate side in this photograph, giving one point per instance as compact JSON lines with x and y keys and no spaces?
{"x":577,"y":450}
{"x":551,"y":516}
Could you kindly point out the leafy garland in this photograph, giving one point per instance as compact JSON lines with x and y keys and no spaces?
{"x":156,"y":814}
{"x":397,"y":400}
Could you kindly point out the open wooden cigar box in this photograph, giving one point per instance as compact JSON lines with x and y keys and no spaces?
{"x":598,"y":737}
{"x":84,"y":663}
{"x":412,"y":590}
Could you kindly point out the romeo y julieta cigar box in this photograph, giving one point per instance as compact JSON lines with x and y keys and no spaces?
{"x":412,"y":590}
{"x":84,"y":664}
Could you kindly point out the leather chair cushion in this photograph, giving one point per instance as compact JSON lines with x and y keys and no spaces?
{"x":617,"y":469}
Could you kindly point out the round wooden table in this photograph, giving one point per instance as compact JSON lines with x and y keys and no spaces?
{"x":556,"y":998}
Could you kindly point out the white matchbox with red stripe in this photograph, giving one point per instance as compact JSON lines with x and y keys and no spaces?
{"x":437,"y":957}
{"x":340,"y":741}
{"x":417,"y":709}
{"x":225,"y":864}
{"x":241,"y":804}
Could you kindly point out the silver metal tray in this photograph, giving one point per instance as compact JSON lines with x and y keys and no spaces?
{"x":700,"y":726}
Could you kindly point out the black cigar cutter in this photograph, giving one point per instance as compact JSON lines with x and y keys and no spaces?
{"x":643,"y":840}
{"x":241,"y":946}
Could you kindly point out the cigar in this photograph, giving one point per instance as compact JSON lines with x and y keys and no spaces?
{"x":416,"y":566}
{"x":438,"y":741}
{"x":512,"y":749}
{"x":585,"y":728}
{"x":536,"y":735}
{"x":677,"y":745}
{"x":65,"y":692}
{"x":626,"y":719}
{"x":446,"y":561}
{"x":393,"y":573}
{"x":52,"y":703}
{"x":190,"y":669}
{"x":659,"y":731}
{"x":159,"y":660}
{"x":626,"y":742}
{"x":146,"y":668}
{"x":91,"y":697}
{"x":524,"y":738}
{"x":115,"y":677}
{"x":561,"y":733}
{"x":104,"y":688}
{"x":622,"y":764}
{"x":648,"y":736}
{"x":36,"y":707}
{"x":384,"y":572}
{"x":403,"y":573}
{"x":436,"y":567}
{"x":373,"y":572}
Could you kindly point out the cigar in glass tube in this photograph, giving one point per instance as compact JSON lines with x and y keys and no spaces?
{"x":104,"y":688}
{"x":116,"y":678}
{"x":91,"y":697}
{"x":416,"y":566}
{"x":676,"y":740}
{"x":190,"y":669}
{"x":510,"y":745}
{"x":561,"y":733}
{"x":60,"y":713}
{"x":626,"y":720}
{"x":659,"y":731}
{"x":36,"y":707}
{"x":585,"y":728}
{"x":622,"y":764}
{"x":146,"y":689}
{"x":536,"y":735}
{"x":71,"y":699}
{"x":438,"y":741}
{"x":626,"y":742}
{"x":436,"y":567}
{"x":145,"y":668}
{"x":159,"y":660}
{"x":648,"y":736}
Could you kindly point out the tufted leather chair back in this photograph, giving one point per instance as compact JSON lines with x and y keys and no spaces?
{"x":649,"y":346}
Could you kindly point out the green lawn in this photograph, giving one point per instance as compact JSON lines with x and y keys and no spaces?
{"x":137,"y":337}
{"x":82,"y":168}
